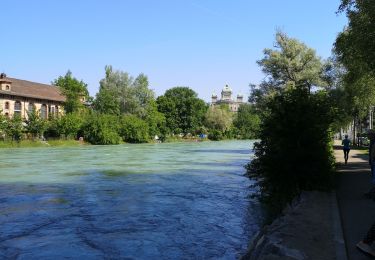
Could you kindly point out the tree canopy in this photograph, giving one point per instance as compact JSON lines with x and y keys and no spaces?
{"x":119,"y":93}
{"x":183,"y":110}
{"x":74,"y":91}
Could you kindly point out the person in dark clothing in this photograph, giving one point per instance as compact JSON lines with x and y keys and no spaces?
{"x":346,"y":148}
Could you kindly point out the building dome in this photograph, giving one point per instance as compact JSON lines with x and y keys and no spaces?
{"x":227,"y":89}
{"x":214,"y":95}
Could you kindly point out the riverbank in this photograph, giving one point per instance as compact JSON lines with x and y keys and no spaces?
{"x":39,"y":143}
{"x":310,"y":228}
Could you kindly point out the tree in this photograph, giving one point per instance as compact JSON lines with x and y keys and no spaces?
{"x":119,"y":93}
{"x":183,"y":110}
{"x":70,"y":124}
{"x":102,"y":129}
{"x":142,"y":96}
{"x":134,"y":130}
{"x":3,"y":125}
{"x":294,"y":152}
{"x":247,"y":121}
{"x":73,"y":89}
{"x":218,"y":118}
{"x":106,"y":101}
{"x":291,"y":64}
{"x":15,"y":128}
{"x":35,"y":125}
{"x":155,"y":120}
{"x":356,"y":42}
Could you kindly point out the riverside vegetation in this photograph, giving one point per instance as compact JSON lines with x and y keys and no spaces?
{"x":126,"y":110}
{"x":303,"y":100}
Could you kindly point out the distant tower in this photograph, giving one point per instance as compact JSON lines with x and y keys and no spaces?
{"x":226,"y":93}
{"x":239,"y":98}
{"x":214,"y":98}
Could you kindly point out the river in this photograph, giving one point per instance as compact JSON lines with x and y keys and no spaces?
{"x":142,"y":201}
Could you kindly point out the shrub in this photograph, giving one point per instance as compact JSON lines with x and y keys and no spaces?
{"x":295,"y":151}
{"x":102,"y":129}
{"x":134,"y":130}
{"x":215,"y":135}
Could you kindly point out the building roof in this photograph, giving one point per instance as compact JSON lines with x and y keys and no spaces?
{"x":24,"y":88}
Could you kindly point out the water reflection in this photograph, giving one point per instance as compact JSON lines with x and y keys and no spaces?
{"x":164,"y":201}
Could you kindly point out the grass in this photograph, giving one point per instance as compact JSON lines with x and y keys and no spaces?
{"x":38,"y":143}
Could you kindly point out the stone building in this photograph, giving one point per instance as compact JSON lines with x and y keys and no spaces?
{"x":226,"y":98}
{"x":22,"y":97}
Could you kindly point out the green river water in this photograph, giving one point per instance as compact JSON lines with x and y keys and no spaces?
{"x":143,"y":201}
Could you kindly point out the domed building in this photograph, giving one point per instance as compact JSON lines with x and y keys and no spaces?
{"x":226,"y":98}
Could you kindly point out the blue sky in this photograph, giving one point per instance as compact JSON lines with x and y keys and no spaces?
{"x":203,"y":44}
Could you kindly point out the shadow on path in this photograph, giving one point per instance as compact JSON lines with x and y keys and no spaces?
{"x":357,"y":212}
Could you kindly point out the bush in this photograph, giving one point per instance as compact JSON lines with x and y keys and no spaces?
{"x":295,"y":151}
{"x":102,"y":129}
{"x":215,"y":135}
{"x":134,"y":130}
{"x":15,"y":128}
{"x":70,"y":124}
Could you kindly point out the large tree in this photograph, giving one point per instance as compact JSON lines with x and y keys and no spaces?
{"x":120,"y":93}
{"x":183,"y":110}
{"x":247,"y":121}
{"x":74,"y":90}
{"x":354,"y":48}
{"x":294,"y":152}
{"x":356,"y":42}
{"x":291,"y":63}
{"x":219,"y":118}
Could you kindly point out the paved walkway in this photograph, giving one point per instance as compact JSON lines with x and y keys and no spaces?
{"x":357,"y":212}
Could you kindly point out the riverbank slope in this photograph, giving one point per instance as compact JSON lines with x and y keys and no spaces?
{"x":310,"y":228}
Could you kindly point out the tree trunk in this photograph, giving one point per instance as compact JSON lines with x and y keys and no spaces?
{"x":354,"y":133}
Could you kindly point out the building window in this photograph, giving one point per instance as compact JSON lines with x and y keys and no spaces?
{"x":57,"y":110}
{"x":7,"y":87}
{"x":52,"y":111}
{"x":7,"y":105}
{"x":43,"y":111}
{"x":7,"y":115}
{"x":31,"y":108}
{"x":17,"y":107}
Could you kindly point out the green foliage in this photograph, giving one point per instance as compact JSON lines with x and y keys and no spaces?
{"x":183,"y":110}
{"x":102,"y":129}
{"x":215,"y":135}
{"x":218,"y":118}
{"x":291,"y":64}
{"x":247,"y":121}
{"x":295,"y":151}
{"x":15,"y":128}
{"x":155,"y":120}
{"x":356,"y":42}
{"x":134,"y":130}
{"x":3,"y":125}
{"x":70,"y":124}
{"x":354,"y":49}
{"x":106,"y":102}
{"x":74,"y":90}
{"x":35,"y":125}
{"x":119,"y":93}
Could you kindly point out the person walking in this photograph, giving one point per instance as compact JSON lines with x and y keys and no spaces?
{"x":346,"y":148}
